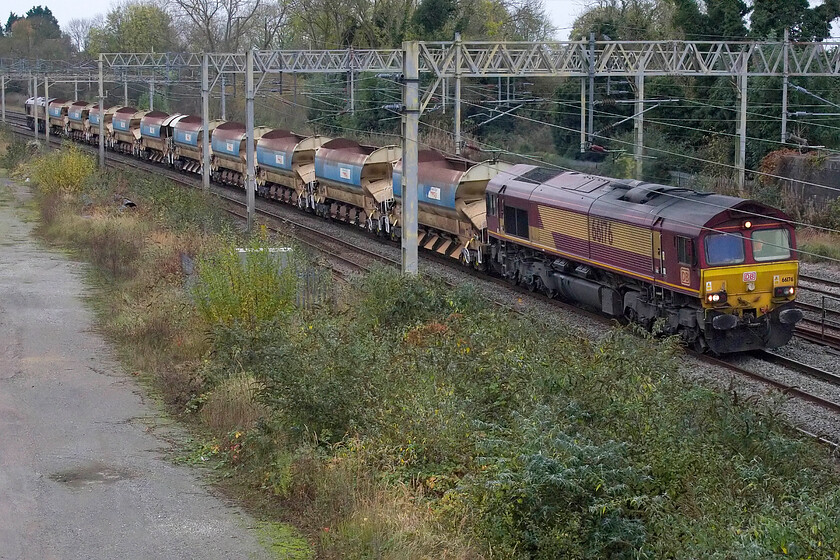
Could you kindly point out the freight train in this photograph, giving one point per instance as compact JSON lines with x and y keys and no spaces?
{"x":719,"y":271}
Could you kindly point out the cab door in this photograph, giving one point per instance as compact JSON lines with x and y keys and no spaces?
{"x":659,"y":267}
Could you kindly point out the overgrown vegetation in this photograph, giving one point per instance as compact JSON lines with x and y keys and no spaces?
{"x":415,"y":420}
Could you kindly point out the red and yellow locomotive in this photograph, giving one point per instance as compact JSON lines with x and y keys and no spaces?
{"x":718,"y":270}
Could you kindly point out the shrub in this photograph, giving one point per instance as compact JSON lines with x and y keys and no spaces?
{"x":815,"y":244}
{"x":63,"y":171}
{"x":250,"y":288}
{"x":16,"y":153}
{"x":544,"y":493}
{"x":233,"y":405}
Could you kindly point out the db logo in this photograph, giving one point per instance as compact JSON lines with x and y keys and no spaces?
{"x":750,"y":276}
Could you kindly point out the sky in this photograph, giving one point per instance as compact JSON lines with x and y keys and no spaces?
{"x":561,"y":12}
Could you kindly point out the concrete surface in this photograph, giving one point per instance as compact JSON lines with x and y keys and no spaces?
{"x":83,"y":473}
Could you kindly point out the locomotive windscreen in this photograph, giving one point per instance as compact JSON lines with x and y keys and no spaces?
{"x":771,"y":245}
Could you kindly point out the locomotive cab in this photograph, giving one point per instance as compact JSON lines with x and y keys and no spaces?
{"x":749,"y":275}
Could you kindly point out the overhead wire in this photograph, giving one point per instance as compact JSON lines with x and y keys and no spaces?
{"x":668,"y":152}
{"x":350,"y":129}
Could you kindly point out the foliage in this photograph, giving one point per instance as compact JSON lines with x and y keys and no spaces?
{"x":36,"y":34}
{"x":704,"y":20}
{"x":539,"y":445}
{"x":770,"y":18}
{"x":544,"y":493}
{"x":133,"y":27}
{"x":815,"y":244}
{"x":622,"y":20}
{"x":63,"y":171}
{"x":250,"y":287}
{"x":16,"y":153}
{"x":422,"y":422}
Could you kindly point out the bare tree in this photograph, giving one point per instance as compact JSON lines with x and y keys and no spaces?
{"x":79,"y":30}
{"x":217,"y":25}
{"x":268,"y":28}
{"x":529,"y":21}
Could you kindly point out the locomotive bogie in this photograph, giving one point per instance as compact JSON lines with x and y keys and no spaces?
{"x":36,"y":108}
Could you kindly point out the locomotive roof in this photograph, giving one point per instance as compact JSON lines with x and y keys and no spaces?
{"x":685,"y":210}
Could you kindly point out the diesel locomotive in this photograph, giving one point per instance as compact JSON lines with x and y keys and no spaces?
{"x":719,"y":271}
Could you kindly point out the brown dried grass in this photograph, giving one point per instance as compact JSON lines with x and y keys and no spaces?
{"x":233,"y":405}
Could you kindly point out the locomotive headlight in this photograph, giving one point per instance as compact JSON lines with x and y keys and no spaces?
{"x":784,"y":291}
{"x":751,"y":286}
{"x":716,"y":297}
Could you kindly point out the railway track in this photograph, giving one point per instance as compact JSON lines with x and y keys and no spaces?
{"x":778,"y":385}
{"x":359,"y":259}
{"x":795,"y":365}
{"x":334,"y":248}
{"x":821,"y":324}
{"x":819,"y":281}
{"x":785,"y":388}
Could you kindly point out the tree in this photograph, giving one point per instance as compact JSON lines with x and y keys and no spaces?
{"x":770,"y":18}
{"x":35,"y":35}
{"x":136,"y":27}
{"x":707,"y":20}
{"x":13,"y":17}
{"x":79,"y":31}
{"x":529,"y":21}
{"x":44,"y":17}
{"x":512,"y":20}
{"x":626,"y":20}
{"x":217,"y":25}
{"x":431,"y":17}
{"x":325,"y":23}
{"x":269,"y":24}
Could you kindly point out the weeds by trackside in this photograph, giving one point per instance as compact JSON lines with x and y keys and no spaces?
{"x":420,"y":421}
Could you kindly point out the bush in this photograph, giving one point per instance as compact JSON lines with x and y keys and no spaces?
{"x":815,"y":244}
{"x":544,"y":493}
{"x":63,"y":171}
{"x":16,"y":153}
{"x":249,"y":288}
{"x":420,"y":422}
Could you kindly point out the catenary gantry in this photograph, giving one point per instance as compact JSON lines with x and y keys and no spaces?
{"x":458,"y":60}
